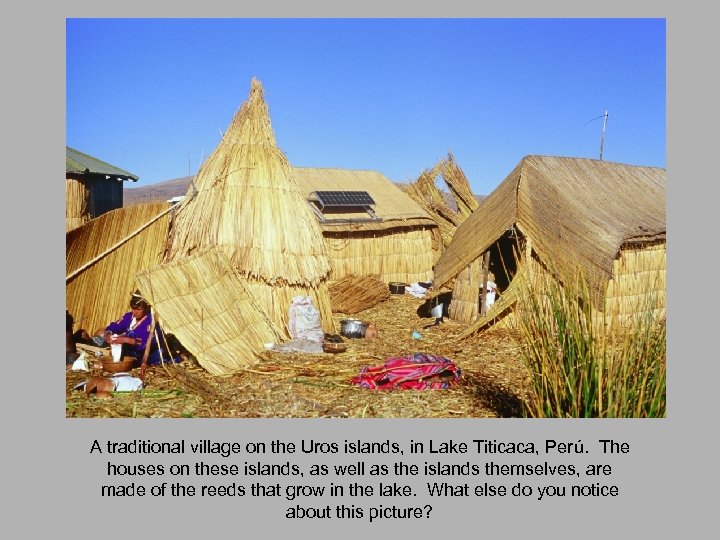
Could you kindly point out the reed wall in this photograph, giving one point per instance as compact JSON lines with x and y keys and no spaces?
{"x":638,"y":285}
{"x":101,"y":293}
{"x":464,"y":305}
{"x":403,"y":255}
{"x":77,"y":204}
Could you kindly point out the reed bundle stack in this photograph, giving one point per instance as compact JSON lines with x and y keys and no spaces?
{"x":437,"y":204}
{"x":459,"y":186}
{"x":426,"y":193}
{"x":353,"y":294}
{"x":246,"y":202}
{"x":103,"y":256}
{"x":464,"y":306}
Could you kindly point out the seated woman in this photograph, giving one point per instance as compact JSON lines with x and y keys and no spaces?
{"x":132,"y":331}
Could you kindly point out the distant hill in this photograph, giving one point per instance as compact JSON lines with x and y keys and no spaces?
{"x":162,"y":191}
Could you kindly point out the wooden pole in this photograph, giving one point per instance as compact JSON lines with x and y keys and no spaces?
{"x":143,"y":366}
{"x":486,"y":269}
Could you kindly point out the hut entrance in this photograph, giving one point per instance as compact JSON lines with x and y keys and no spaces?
{"x":503,"y":257}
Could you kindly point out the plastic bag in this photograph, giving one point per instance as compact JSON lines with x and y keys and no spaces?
{"x":304,"y":320}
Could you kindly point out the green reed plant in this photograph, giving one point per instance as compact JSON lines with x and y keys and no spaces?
{"x":581,"y":369}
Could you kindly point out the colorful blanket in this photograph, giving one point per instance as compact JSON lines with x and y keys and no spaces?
{"x":418,"y":371}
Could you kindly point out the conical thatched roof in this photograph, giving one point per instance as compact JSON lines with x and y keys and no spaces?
{"x":577,"y":213}
{"x":248,"y":204}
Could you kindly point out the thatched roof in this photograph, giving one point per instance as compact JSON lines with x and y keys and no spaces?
{"x":78,"y":163}
{"x":577,"y":213}
{"x":249,"y":205}
{"x":392,"y":204}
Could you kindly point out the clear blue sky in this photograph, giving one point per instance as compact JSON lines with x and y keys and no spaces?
{"x":152,"y":96}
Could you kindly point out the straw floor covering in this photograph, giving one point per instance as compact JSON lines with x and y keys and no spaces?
{"x":494,"y":382}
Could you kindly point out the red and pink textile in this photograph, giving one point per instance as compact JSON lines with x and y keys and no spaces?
{"x":418,"y":371}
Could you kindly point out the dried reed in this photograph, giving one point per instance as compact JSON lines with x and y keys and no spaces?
{"x":353,"y":294}
{"x":459,"y":186}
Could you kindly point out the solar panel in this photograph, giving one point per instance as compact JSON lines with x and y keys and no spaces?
{"x":344,"y":198}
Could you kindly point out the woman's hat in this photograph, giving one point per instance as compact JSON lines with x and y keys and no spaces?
{"x":137,"y":298}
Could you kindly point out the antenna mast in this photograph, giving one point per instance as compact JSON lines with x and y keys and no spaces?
{"x":602,"y":141}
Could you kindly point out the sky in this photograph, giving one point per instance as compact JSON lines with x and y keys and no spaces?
{"x":153,"y":96}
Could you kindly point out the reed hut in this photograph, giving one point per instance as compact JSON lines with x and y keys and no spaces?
{"x":393,"y":237}
{"x":92,"y":187}
{"x":103,"y":256}
{"x":568,"y":216}
{"x":246,"y":202}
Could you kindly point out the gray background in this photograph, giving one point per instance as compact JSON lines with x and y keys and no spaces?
{"x":668,"y":482}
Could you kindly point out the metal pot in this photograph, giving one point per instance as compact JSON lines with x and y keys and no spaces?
{"x":352,"y":328}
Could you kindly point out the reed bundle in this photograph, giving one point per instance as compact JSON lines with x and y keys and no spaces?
{"x":206,"y":304}
{"x":459,"y":186}
{"x":100,"y":293}
{"x":353,"y":294}
{"x":425,"y":192}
